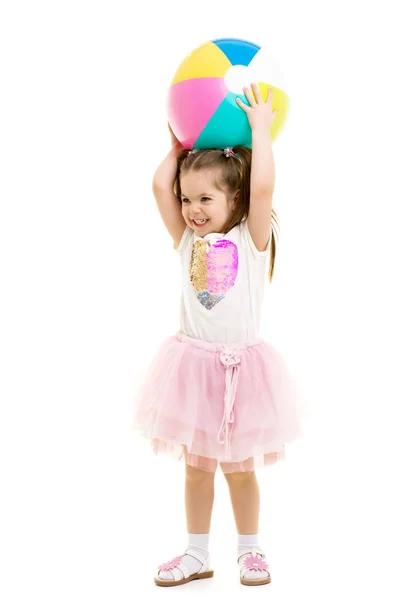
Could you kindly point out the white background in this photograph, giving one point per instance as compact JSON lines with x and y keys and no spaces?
{"x":90,"y":286}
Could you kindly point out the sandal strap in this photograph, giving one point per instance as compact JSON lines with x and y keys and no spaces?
{"x":178,"y":573}
{"x":251,"y":551}
{"x":243,"y":572}
{"x":182,"y":571}
{"x":200,"y":557}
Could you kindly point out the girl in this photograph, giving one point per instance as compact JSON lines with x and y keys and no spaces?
{"x":216,"y":393}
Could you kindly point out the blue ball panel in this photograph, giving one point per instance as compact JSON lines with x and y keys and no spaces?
{"x":239,"y":52}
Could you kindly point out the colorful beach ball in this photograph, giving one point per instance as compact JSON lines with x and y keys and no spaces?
{"x":201,"y":104}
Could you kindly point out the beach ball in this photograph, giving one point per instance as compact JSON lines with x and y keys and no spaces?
{"x":201,"y":101}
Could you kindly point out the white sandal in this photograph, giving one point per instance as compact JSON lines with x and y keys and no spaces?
{"x":181,"y":573}
{"x":254,"y":562}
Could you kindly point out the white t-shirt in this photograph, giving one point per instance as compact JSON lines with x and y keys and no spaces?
{"x":223,"y":282}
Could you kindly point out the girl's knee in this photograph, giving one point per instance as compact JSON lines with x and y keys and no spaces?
{"x":198,"y":474}
{"x":239,"y":477}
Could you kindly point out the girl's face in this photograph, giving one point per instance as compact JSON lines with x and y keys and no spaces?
{"x":202,"y":200}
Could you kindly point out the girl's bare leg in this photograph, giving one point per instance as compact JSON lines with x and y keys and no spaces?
{"x":245,"y":498}
{"x":199,"y":499}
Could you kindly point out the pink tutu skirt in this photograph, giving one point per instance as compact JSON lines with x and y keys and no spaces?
{"x":215,"y":404}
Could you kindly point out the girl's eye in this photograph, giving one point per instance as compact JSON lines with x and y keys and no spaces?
{"x":186,"y":200}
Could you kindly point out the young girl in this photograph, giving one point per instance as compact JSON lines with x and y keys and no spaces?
{"x":216,"y":393}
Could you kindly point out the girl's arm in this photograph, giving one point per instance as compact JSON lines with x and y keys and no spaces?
{"x":262,"y":182}
{"x":168,"y":204}
{"x":262,"y":177}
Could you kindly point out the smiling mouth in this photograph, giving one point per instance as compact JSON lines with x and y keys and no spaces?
{"x":200,"y":222}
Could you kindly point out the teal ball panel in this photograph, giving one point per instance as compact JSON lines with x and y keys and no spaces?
{"x":228,"y":126}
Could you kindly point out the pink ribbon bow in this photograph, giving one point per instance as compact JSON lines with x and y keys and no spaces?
{"x":230,"y":359}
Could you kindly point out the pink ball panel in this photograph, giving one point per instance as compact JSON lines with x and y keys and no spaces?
{"x":191,"y":104}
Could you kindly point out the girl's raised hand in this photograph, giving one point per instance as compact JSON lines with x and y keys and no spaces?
{"x":174,"y":139}
{"x":259,"y":113}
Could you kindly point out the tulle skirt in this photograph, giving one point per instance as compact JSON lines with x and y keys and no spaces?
{"x":213,"y":404}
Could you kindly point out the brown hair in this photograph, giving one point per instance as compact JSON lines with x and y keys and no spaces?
{"x":235,"y":176}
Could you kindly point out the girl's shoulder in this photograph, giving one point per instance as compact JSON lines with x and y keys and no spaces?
{"x":186,"y":239}
{"x":249,"y":243}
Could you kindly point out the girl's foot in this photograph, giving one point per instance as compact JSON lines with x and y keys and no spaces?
{"x":193,"y":564}
{"x":253,"y":568}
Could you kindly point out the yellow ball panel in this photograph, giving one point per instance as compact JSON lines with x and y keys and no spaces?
{"x":206,"y":61}
{"x":280,"y":101}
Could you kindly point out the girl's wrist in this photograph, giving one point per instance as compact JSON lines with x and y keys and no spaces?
{"x":260,"y":133}
{"x":176,"y":147}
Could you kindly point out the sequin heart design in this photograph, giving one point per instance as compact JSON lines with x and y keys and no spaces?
{"x":213,"y":272}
